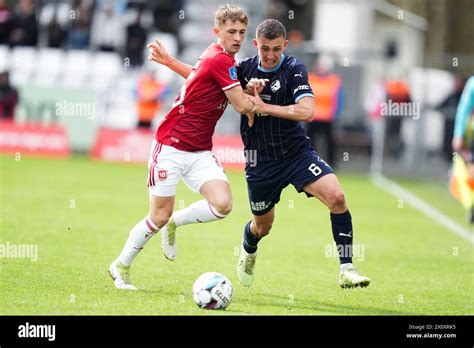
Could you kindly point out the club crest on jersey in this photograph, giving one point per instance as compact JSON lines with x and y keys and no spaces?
{"x":275,"y":86}
{"x":233,"y":73}
{"x":162,"y":174}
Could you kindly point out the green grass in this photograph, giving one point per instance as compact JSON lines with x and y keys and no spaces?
{"x":79,"y":214}
{"x":438,"y":195}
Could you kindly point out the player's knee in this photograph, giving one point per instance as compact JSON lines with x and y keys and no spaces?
{"x":336,"y":200}
{"x":160,"y":218}
{"x":263,"y":229}
{"x":222,"y":206}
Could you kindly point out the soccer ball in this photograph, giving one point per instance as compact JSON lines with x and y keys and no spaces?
{"x":212,"y":290}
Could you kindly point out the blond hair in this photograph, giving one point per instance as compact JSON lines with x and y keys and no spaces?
{"x":230,"y":12}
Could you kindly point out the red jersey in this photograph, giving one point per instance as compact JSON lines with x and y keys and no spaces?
{"x":190,"y":123}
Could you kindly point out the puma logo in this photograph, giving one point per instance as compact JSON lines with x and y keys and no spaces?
{"x":346,"y":235}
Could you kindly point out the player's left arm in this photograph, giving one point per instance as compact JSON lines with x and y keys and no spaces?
{"x":303,"y":108}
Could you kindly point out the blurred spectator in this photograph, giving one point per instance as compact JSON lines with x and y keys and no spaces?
{"x":56,"y":33}
{"x":329,"y":103}
{"x":54,"y":19}
{"x":295,"y":36}
{"x":8,"y":97}
{"x":5,"y":22}
{"x":150,"y":94}
{"x":166,"y":14}
{"x":448,"y":109}
{"x":136,"y":39}
{"x":108,"y":31}
{"x":375,"y":99}
{"x":79,"y":32}
{"x":25,"y":26}
{"x":397,"y":92}
{"x":118,"y":6}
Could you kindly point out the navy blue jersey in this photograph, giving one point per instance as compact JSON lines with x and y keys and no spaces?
{"x":275,"y":138}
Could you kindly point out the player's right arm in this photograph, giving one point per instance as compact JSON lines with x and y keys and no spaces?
{"x":223,"y":70}
{"x":159,"y":54}
{"x":241,"y":102}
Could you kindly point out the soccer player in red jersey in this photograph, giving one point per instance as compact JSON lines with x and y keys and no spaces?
{"x":182,"y":145}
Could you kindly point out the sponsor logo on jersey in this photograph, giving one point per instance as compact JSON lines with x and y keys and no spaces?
{"x":223,"y":105}
{"x":233,"y":73}
{"x":301,"y":88}
{"x":259,"y":206}
{"x":275,"y":86}
{"x":162,"y":174}
{"x":299,"y":74}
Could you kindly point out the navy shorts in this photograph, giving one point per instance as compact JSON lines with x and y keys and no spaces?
{"x":267,"y":179}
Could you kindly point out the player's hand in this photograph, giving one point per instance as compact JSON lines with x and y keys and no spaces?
{"x":256,"y":83}
{"x":457,"y":144}
{"x":251,"y":119}
{"x":259,"y":104}
{"x":158,"y":52}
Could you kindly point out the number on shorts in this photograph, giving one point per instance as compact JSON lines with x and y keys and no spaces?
{"x":313,"y":168}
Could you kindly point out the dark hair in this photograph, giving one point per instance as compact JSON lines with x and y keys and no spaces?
{"x":271,"y":29}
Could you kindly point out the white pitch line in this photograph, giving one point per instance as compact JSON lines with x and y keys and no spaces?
{"x":420,"y":205}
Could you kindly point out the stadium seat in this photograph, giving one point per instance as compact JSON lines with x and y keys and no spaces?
{"x":199,"y":12}
{"x":22,"y":64}
{"x":196,"y":33}
{"x":4,"y":57}
{"x":76,"y":68}
{"x":430,"y":86}
{"x":121,"y":111}
{"x":106,"y":66}
{"x":164,"y":74}
{"x":49,"y":66}
{"x":190,"y":55}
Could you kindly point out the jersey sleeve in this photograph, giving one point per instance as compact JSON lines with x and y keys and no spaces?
{"x":224,"y":72}
{"x":240,"y":74}
{"x":300,"y":84}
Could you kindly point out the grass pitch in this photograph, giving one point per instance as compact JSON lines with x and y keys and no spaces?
{"x":78,"y":214}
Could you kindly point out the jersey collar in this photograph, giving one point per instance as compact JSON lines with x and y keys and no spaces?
{"x":261,"y":68}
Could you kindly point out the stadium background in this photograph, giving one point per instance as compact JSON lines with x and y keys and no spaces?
{"x":77,"y":111}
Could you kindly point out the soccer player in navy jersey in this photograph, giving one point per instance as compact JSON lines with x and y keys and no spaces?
{"x":284,"y":153}
{"x":182,"y":145}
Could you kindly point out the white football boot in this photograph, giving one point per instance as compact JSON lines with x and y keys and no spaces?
{"x":350,"y":278}
{"x":121,"y":276}
{"x":168,"y":240}
{"x":245,"y":267}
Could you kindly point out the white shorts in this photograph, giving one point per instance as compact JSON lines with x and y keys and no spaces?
{"x":167,"y":165}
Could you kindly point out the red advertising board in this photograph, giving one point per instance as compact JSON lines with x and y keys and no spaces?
{"x":134,"y":146}
{"x":34,"y":139}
